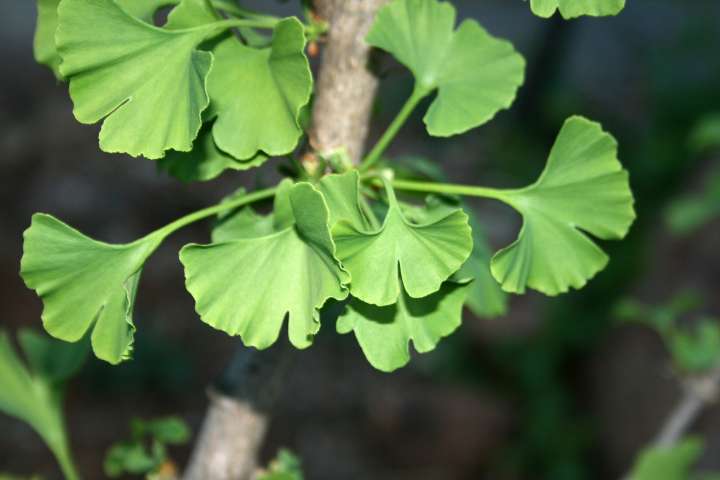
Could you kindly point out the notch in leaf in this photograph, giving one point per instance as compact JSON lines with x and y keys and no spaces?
{"x":111,"y":60}
{"x":574,"y":8}
{"x":294,"y":267}
{"x":475,"y":74}
{"x":384,"y":333}
{"x":583,"y":188}
{"x":84,"y":284}
{"x":424,"y":254}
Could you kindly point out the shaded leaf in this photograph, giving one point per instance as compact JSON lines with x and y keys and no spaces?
{"x":84,"y":284}
{"x":583,"y":188}
{"x":476,"y":74}
{"x":384,"y":333}
{"x":576,"y":8}
{"x":426,"y":254}
{"x":295,"y":268}
{"x":258,"y":93}
{"x":205,"y":161}
{"x":53,"y":360}
{"x":111,"y":60}
{"x":485,"y":298}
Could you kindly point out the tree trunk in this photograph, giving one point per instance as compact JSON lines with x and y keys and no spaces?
{"x":238,"y":414}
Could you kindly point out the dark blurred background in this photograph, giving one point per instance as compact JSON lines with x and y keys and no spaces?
{"x":556,"y":389}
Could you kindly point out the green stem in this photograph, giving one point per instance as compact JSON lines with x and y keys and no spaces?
{"x":66,"y":465}
{"x":455,"y":189}
{"x":382,"y":144}
{"x":210,"y":211}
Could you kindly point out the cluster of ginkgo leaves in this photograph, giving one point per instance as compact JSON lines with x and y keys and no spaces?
{"x":220,"y":87}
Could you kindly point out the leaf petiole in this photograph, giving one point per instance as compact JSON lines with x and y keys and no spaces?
{"x":504,"y":195}
{"x":372,"y":158}
{"x":181,"y":222}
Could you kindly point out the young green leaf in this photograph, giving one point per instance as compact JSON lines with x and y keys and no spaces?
{"x":342,"y":194}
{"x":44,"y":40}
{"x":476,"y":74}
{"x":258,"y":93}
{"x":384,"y":333}
{"x":576,"y":8}
{"x":111,"y":60}
{"x":205,"y":161}
{"x":426,"y":253}
{"x":583,"y":188}
{"x":84,"y":284}
{"x":295,"y":269}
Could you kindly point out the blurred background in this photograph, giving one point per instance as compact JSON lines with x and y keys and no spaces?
{"x":558,"y":388}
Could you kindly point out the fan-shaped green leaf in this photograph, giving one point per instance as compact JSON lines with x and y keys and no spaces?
{"x":384,"y":333}
{"x":84,"y":284}
{"x":111,"y":60}
{"x":476,"y":74}
{"x":583,"y":188}
{"x":426,"y":254}
{"x":295,"y":269}
{"x":258,"y":93}
{"x":576,"y":8}
{"x":205,"y":161}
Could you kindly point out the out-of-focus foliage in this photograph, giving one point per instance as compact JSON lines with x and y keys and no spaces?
{"x":286,"y":466}
{"x":695,"y":348}
{"x":689,"y":212}
{"x":33,"y":393}
{"x":673,"y":462}
{"x":146,"y":452}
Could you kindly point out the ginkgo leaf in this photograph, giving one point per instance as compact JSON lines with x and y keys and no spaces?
{"x":111,"y":60}
{"x":44,"y":40}
{"x":243,"y":224}
{"x":205,"y":161}
{"x":576,"y":8}
{"x":191,"y":13}
{"x":426,"y":254}
{"x":258,"y":93}
{"x":384,"y":333}
{"x":583,"y":188}
{"x":342,"y":194}
{"x":476,"y":74}
{"x":84,"y":284}
{"x":295,"y":269}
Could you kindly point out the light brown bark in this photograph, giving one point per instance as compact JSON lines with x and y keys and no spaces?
{"x":238,"y":415}
{"x":346,"y":87}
